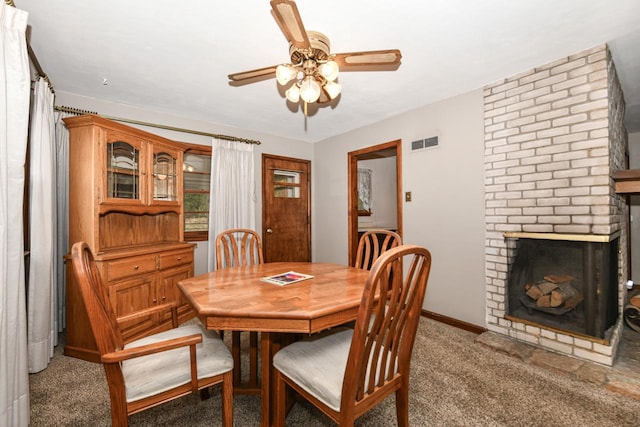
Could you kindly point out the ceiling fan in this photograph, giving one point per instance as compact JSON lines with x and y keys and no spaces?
{"x":313,"y":69}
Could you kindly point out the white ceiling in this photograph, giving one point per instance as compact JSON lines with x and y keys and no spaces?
{"x":174,"y":57}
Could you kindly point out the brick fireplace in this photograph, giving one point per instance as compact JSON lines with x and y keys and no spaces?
{"x":553,"y":136}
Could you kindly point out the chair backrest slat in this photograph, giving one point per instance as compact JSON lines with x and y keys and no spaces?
{"x":374,"y":243}
{"x":238,"y":247}
{"x":387,"y":321}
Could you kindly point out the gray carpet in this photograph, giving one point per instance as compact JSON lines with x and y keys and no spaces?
{"x":454,"y":382}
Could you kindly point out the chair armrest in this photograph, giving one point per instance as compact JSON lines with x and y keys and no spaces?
{"x":144,"y":350}
{"x":152,"y":310}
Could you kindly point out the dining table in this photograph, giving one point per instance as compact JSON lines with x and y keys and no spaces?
{"x":243,"y":299}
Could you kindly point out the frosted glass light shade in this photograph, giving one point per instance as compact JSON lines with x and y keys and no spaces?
{"x":309,"y":90}
{"x":293,"y":93}
{"x":333,"y":89}
{"x":284,"y":74}
{"x":329,"y":70}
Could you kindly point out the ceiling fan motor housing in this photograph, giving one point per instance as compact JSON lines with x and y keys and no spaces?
{"x":319,"y":49}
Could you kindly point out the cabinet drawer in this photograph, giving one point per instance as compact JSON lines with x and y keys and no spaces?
{"x":173,"y":259}
{"x":119,"y":269}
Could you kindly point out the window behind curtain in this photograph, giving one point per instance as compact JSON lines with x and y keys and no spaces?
{"x":197,"y":175}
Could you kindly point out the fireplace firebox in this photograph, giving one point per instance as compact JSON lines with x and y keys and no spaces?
{"x":564,"y":282}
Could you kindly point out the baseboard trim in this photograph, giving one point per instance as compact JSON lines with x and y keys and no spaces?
{"x":454,"y":322}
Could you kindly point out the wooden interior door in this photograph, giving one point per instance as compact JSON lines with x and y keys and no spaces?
{"x":286,"y":209}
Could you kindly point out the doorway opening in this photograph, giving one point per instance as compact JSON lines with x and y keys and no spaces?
{"x":368,"y":207}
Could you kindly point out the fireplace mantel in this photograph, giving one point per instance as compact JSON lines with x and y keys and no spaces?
{"x":560,"y":236}
{"x":627,"y":181}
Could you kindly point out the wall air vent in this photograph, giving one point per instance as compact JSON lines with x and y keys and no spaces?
{"x":421,"y":144}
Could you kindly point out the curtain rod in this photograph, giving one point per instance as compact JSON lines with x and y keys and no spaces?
{"x":173,"y":128}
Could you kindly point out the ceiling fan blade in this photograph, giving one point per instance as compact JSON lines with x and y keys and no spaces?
{"x":266,"y":72}
{"x":368,"y":58}
{"x":288,"y":18}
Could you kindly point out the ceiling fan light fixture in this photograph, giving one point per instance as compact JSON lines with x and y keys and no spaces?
{"x":285,"y":73}
{"x":329,"y":70}
{"x":332,"y":89}
{"x":309,"y":90}
{"x":293,"y":93}
{"x":312,"y":74}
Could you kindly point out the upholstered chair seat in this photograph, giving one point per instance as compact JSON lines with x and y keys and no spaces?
{"x":317,"y":364}
{"x":149,"y":375}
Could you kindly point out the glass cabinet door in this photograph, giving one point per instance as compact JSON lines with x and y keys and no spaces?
{"x":165,"y":178}
{"x":123,"y":171}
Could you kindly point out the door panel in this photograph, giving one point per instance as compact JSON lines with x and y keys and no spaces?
{"x":286,"y":209}
{"x":168,"y":291}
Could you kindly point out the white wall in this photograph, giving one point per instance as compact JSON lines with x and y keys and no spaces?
{"x":634,"y":163}
{"x":447,"y":185}
{"x":270,"y":144}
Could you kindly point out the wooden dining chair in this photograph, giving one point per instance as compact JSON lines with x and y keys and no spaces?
{"x":374,"y":243}
{"x":346,"y":372}
{"x":235,"y":248}
{"x":157,"y":368}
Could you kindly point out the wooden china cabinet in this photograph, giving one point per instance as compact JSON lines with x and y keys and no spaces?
{"x":125,"y":201}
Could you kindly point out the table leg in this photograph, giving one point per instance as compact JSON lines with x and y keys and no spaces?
{"x":271,"y":342}
{"x":265,"y":398}
{"x":253,"y":386}
{"x":253,"y":360}
{"x":235,"y":352}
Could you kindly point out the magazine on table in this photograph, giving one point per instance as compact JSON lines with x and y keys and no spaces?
{"x":286,"y":278}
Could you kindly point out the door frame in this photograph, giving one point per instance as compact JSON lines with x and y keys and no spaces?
{"x":387,"y":149}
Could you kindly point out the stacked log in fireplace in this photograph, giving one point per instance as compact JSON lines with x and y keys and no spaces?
{"x":554,"y":294}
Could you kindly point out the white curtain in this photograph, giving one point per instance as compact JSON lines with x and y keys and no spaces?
{"x":41,"y":302}
{"x":232,"y":202}
{"x":62,"y":214}
{"x":14,"y":122}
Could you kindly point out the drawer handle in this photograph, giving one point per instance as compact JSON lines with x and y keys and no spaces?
{"x":164,"y":298}
{"x":179,"y":258}
{"x":155,"y":300}
{"x":135,"y":267}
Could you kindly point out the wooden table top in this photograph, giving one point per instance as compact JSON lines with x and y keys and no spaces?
{"x":236,"y":298}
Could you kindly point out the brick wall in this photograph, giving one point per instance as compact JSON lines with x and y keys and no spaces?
{"x":553,"y":135}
